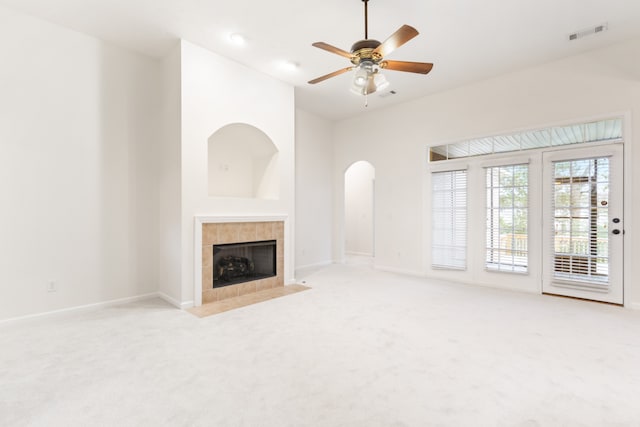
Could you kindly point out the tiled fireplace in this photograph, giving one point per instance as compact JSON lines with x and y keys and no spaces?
{"x":222,"y":234}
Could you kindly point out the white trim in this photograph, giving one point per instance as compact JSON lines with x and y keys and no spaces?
{"x":560,"y":153}
{"x":504,"y":287}
{"x":634,"y":306}
{"x":550,"y":284}
{"x":174,"y":302}
{"x":86,"y":307}
{"x":449,"y":165}
{"x":506,"y":161}
{"x":627,"y":200}
{"x":369,"y":254}
{"x":199,"y":220}
{"x":499,"y":286}
{"x":402,"y":271}
{"x":202,"y":219}
{"x":315,"y":265}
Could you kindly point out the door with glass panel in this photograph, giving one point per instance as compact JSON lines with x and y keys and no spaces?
{"x":582,"y":223}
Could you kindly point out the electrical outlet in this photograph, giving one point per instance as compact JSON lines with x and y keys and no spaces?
{"x":51,"y":286}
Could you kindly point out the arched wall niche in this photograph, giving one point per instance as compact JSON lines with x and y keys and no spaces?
{"x":242,"y":162}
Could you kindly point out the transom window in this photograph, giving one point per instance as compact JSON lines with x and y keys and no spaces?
{"x":597,"y":131}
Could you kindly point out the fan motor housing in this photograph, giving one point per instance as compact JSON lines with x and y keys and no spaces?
{"x":364,"y":50}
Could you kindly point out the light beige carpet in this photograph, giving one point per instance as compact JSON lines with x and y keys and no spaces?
{"x":364,"y":348}
{"x":244,"y":300}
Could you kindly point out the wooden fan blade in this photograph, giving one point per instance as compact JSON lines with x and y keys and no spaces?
{"x":332,"y":49}
{"x":395,"y":40}
{"x":328,"y":76}
{"x":411,"y":67}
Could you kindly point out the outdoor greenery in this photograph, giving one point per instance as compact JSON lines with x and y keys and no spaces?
{"x":507,"y":217}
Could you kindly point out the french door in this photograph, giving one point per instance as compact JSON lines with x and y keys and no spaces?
{"x":583,"y":227}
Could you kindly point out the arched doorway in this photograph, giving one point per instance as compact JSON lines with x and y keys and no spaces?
{"x":359,"y":200}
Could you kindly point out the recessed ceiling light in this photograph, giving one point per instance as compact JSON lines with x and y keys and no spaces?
{"x":289,"y":65}
{"x":237,"y":39}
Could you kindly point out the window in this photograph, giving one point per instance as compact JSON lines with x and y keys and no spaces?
{"x":581,"y":217}
{"x":507,"y":218}
{"x":581,"y":133}
{"x":449,"y":223}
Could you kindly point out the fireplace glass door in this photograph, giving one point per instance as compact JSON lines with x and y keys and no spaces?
{"x":243,"y":262}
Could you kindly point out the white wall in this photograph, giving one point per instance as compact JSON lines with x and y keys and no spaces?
{"x":398,"y":155}
{"x":217,"y":92}
{"x":594,"y":84}
{"x":359,"y":186}
{"x":314,"y":190}
{"x":169,"y":188}
{"x":77,"y":129}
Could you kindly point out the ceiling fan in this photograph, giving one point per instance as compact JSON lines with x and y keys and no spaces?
{"x":367,"y":57}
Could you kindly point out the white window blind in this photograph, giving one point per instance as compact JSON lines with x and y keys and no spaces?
{"x":581,"y":218}
{"x":449,"y":220}
{"x":507,"y":218}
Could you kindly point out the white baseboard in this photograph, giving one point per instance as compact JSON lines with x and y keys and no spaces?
{"x":174,"y":302}
{"x":399,"y":271}
{"x":316,"y":265}
{"x":510,"y":288}
{"x":369,"y":254}
{"x":87,"y":307}
{"x":305,"y":270}
{"x":634,"y":306}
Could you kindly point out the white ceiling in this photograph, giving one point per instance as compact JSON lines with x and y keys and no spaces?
{"x":467,"y":40}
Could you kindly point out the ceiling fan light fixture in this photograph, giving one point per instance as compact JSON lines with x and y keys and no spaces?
{"x":361,"y":75}
{"x":359,"y":81}
{"x":380,"y":81}
{"x":368,"y":79}
{"x":367,"y":57}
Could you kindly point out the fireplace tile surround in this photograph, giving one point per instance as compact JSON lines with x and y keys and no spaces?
{"x":214,"y":233}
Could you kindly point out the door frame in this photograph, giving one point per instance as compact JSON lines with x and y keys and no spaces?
{"x":371,"y":209}
{"x":577,"y":153}
{"x":627,"y":195}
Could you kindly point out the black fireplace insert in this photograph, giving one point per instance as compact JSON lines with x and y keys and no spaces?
{"x":243,"y":262}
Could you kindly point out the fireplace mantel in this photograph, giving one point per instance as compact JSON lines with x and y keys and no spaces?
{"x":201,"y":221}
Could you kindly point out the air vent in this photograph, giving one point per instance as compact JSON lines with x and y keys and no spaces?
{"x":386,"y":94}
{"x":587,"y":32}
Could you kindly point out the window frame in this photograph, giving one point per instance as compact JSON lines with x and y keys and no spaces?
{"x":455,"y":244}
{"x":490,"y":207}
